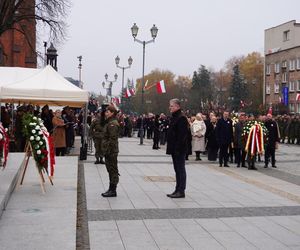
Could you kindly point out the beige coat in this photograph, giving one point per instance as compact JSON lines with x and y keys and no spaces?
{"x":59,"y":133}
{"x":198,"y":129}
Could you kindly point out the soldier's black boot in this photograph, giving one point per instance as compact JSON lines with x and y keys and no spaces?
{"x":111,"y":192}
{"x":97,"y":161}
{"x":102,"y":161}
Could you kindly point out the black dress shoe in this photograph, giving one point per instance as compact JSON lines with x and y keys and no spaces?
{"x":238,"y":166}
{"x":266,"y":166}
{"x":177,"y":195}
{"x":97,"y":162}
{"x":274,"y":166}
{"x":252,"y":168}
{"x":220,"y":165}
{"x":244,"y":166}
{"x":227,"y":166}
{"x":169,"y":195}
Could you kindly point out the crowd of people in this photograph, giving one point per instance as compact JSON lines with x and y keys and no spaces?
{"x":62,"y":124}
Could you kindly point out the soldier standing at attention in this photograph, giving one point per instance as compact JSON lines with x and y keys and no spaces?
{"x":110,"y":148}
{"x":97,"y":133}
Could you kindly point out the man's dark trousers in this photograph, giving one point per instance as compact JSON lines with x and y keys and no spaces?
{"x":179,"y":167}
{"x":223,"y":154}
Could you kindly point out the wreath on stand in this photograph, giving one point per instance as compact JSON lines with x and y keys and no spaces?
{"x":254,"y":133}
{"x":41,"y":143}
{"x":4,"y":144}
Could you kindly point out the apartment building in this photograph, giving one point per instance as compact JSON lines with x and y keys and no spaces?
{"x":282,"y":67}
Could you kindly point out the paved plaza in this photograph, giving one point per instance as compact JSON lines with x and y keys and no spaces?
{"x":224,"y":208}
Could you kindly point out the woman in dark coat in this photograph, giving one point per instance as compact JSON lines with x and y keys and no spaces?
{"x":189,"y":139}
{"x":212,"y":145}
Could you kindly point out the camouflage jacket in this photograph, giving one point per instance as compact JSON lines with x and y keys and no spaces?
{"x":110,"y":143}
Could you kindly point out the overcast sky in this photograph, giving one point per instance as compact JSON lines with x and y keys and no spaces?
{"x":191,"y":33}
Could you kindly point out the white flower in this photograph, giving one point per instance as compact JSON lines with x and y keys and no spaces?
{"x":1,"y":136}
{"x":37,"y":127}
{"x":39,"y":119}
{"x":33,"y":131}
{"x":6,"y":129}
{"x":40,"y":132}
{"x":34,"y":118}
{"x":41,"y":143}
{"x":38,"y":152}
{"x":37,"y":138}
{"x":32,"y":124}
{"x":31,"y":138}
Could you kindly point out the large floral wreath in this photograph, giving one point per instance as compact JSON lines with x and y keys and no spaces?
{"x":41,"y":143}
{"x":4,"y":144}
{"x":255,"y":133}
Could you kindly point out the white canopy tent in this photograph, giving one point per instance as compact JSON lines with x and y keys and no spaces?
{"x":40,"y":87}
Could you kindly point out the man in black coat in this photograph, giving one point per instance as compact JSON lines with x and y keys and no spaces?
{"x":177,"y":146}
{"x":238,"y":140}
{"x":272,"y":140}
{"x":224,"y":134}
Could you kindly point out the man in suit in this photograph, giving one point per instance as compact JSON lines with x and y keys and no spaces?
{"x":177,"y":146}
{"x":224,"y":133}
{"x":272,"y":140}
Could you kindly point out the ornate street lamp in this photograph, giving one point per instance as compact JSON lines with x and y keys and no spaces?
{"x":134,"y":32}
{"x":117,"y":60}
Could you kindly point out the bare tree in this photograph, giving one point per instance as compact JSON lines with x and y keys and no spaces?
{"x":50,"y":14}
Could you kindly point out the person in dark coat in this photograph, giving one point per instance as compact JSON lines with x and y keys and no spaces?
{"x":224,"y":137}
{"x":189,"y":140}
{"x":156,"y":133}
{"x":238,"y":141}
{"x":47,"y":117}
{"x":272,"y":140}
{"x":212,"y":144}
{"x":177,"y":146}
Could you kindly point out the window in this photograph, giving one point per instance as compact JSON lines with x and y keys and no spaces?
{"x":276,"y":88}
{"x":292,"y":64}
{"x":298,"y":85}
{"x":268,"y":69}
{"x":298,"y":63}
{"x":298,"y":107}
{"x":284,"y":77}
{"x":277,"y":68}
{"x":292,"y":86}
{"x":286,"y":35}
{"x":292,"y":107}
{"x":284,"y":64}
{"x":268,"y":89}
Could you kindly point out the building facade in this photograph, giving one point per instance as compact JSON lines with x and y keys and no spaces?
{"x":18,"y":49}
{"x":282,"y":67}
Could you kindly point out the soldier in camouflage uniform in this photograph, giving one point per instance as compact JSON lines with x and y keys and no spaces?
{"x":96,"y":132}
{"x":110,"y":148}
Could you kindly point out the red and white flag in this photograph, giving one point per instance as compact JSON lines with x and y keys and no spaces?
{"x":116,"y":100}
{"x":127,"y":93}
{"x":132,"y":91}
{"x":297,"y":97}
{"x":160,"y":87}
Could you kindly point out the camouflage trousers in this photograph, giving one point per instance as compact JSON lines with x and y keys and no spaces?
{"x":111,"y":163}
{"x":98,"y":148}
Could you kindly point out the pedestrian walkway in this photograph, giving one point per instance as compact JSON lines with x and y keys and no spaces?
{"x":224,"y":208}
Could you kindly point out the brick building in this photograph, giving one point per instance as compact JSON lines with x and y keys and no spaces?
{"x":17,"y":49}
{"x":282,"y":67}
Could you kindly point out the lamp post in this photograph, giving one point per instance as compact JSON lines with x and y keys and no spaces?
{"x":117,"y":60}
{"x":134,"y":31}
{"x":109,"y":87}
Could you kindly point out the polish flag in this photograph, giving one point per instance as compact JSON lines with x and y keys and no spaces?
{"x":297,"y":97}
{"x":116,"y":100}
{"x":160,"y":87}
{"x":127,"y":93}
{"x":132,"y":91}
